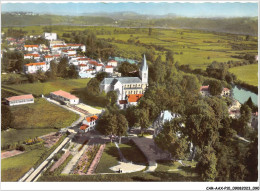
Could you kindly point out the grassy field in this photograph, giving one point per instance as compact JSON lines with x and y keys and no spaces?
{"x":110,"y":157}
{"x":247,"y":73}
{"x":14,"y":167}
{"x":41,"y":114}
{"x":19,"y":135}
{"x":47,"y":87}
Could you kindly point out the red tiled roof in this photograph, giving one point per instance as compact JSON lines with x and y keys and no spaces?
{"x":82,"y":64}
{"x":35,"y":64}
{"x":94,"y":63}
{"x":226,"y":89}
{"x":31,"y":46}
{"x":83,"y":59}
{"x":109,"y":66}
{"x":89,"y":69}
{"x":48,"y":56}
{"x":29,"y":96}
{"x":134,"y":97}
{"x":64,"y":94}
{"x":35,"y":55}
{"x":83,"y":127}
{"x":204,"y":88}
{"x":122,"y":102}
{"x":56,"y":55}
{"x":72,"y":54}
{"x":59,"y":45}
{"x":92,"y":118}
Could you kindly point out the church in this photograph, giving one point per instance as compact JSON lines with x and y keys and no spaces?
{"x":125,"y":86}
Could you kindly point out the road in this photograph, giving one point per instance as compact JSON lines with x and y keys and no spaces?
{"x":39,"y":169}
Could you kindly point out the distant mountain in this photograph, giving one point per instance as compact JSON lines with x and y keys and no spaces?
{"x":239,"y":25}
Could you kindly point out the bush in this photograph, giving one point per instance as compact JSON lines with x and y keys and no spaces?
{"x":20,"y":147}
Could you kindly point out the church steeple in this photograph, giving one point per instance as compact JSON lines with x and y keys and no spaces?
{"x":144,"y":71}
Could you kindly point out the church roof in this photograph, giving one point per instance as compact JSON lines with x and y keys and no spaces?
{"x":123,"y":80}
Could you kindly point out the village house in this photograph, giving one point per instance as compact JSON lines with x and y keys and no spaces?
{"x":108,"y":69}
{"x":57,"y":42}
{"x":32,"y":56}
{"x":48,"y":58}
{"x":50,"y":36}
{"x":127,"y":85}
{"x":226,"y":92}
{"x":204,"y":90}
{"x":31,"y":48}
{"x":66,"y":52}
{"x":77,"y":47}
{"x":34,"y":67}
{"x":234,"y":109}
{"x":19,"y":100}
{"x":89,"y":73}
{"x":131,"y":99}
{"x":89,"y":123}
{"x":65,"y":97}
{"x":112,"y":63}
{"x":97,"y":66}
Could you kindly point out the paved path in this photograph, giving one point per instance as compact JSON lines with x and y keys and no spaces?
{"x":38,"y":170}
{"x":242,"y":138}
{"x":127,"y":167}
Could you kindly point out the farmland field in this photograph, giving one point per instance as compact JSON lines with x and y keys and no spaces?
{"x":41,"y":114}
{"x":47,"y":87}
{"x":247,"y":73}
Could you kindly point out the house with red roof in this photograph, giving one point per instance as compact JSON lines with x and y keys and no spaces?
{"x":34,"y":67}
{"x":31,"y":48}
{"x":19,"y":100}
{"x":32,"y":56}
{"x":89,"y":123}
{"x":112,"y":63}
{"x":131,"y":99}
{"x":204,"y":90}
{"x":226,"y":92}
{"x":109,"y":69}
{"x":63,"y":96}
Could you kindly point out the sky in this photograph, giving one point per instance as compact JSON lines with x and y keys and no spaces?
{"x":181,"y":9}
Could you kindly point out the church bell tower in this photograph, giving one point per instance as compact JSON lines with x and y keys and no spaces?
{"x":144,"y":72}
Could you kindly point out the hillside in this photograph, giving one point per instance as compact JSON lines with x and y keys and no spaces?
{"x":243,"y":25}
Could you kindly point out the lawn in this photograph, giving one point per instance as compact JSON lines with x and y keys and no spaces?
{"x":41,"y":114}
{"x":132,"y":153}
{"x":110,"y":157}
{"x":47,"y":87}
{"x":19,"y":135}
{"x":247,"y":73}
{"x":14,"y":167}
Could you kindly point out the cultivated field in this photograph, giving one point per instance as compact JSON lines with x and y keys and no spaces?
{"x":247,"y":73}
{"x":47,"y":87}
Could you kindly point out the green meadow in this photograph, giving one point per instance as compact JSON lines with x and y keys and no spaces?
{"x":247,"y":73}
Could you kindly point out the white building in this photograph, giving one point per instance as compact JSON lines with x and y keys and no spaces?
{"x":65,"y":97}
{"x":31,"y":48}
{"x":226,"y":92}
{"x":109,"y":69}
{"x":48,"y":58}
{"x":127,"y":85}
{"x":19,"y":100}
{"x":34,"y":67}
{"x":32,"y":56}
{"x":112,"y":63}
{"x":89,"y":123}
{"x":204,"y":90}
{"x":50,"y":36}
{"x":77,"y":46}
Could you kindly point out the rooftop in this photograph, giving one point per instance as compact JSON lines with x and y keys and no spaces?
{"x":92,"y":118}
{"x":204,"y":88}
{"x":14,"y":98}
{"x":123,"y":80}
{"x":134,"y":97}
{"x":35,"y":64}
{"x":64,"y":94}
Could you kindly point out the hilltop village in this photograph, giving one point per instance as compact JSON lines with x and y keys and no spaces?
{"x":152,"y":114}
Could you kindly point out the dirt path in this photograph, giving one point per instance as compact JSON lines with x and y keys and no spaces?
{"x":12,"y":153}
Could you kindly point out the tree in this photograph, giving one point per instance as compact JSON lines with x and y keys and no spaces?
{"x":169,"y":56}
{"x":252,"y":161}
{"x":112,"y":97}
{"x":131,"y":115}
{"x":53,"y":69}
{"x":6,"y":118}
{"x":215,"y":87}
{"x":100,"y":76}
{"x":122,"y":125}
{"x":127,"y":69}
{"x":62,"y":67}
{"x":93,"y":87}
{"x":206,"y":167}
{"x":72,"y":72}
{"x":143,"y":119}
